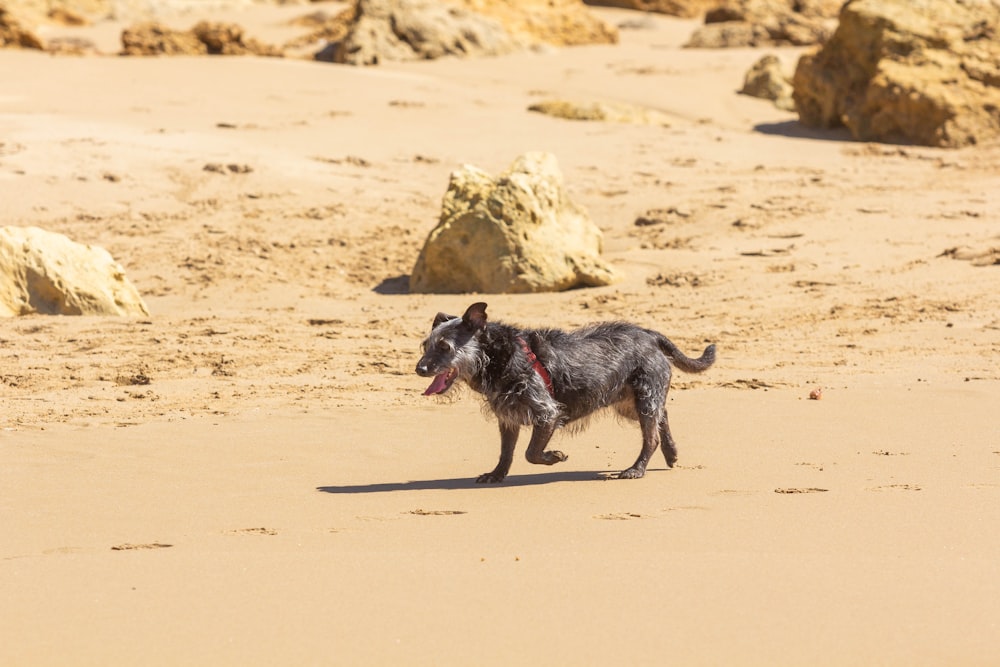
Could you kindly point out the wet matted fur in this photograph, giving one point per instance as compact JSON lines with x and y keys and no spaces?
{"x":549,"y":378}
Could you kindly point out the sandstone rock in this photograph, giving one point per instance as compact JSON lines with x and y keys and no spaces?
{"x":602,"y":111}
{"x":323,"y":27}
{"x":419,"y":30}
{"x":556,"y":22}
{"x":518,"y":232}
{"x":423,"y":29}
{"x":227,"y":39}
{"x":907,"y":71}
{"x":748,"y":23}
{"x":685,"y":8}
{"x":47,"y":273}
{"x":153,"y":39}
{"x":13,"y":33}
{"x":766,"y":81}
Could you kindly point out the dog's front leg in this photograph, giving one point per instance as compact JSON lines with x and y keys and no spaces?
{"x":540,"y":437}
{"x":508,"y":438}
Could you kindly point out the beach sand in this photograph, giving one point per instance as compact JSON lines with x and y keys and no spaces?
{"x":252,"y":476}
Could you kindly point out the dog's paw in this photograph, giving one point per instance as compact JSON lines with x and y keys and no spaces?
{"x":631,"y":473}
{"x":547,"y":458}
{"x":490,"y":478}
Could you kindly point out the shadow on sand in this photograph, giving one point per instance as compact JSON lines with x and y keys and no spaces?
{"x":470,"y":482}
{"x":394,"y":285}
{"x":796,"y":130}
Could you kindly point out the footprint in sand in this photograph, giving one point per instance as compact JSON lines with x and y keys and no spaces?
{"x":252,"y":531}
{"x":619,"y":516}
{"x":420,"y":512}
{"x":895,"y":487}
{"x":801,"y":490}
{"x":131,"y":547}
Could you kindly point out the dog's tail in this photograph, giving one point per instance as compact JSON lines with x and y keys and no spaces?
{"x":684,"y":362}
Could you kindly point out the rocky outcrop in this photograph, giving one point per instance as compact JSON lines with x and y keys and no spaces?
{"x":518,"y":232}
{"x":748,"y":23}
{"x":611,"y":112}
{"x":907,"y":71}
{"x":205,"y":38}
{"x":766,"y":81}
{"x":424,"y":29}
{"x":684,"y":8}
{"x":14,"y":34}
{"x":47,"y":273}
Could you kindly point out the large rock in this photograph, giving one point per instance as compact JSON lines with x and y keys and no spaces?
{"x":748,"y":23}
{"x":907,"y":71}
{"x":205,"y":38}
{"x":518,"y":232}
{"x":423,"y":29}
{"x":685,"y":8}
{"x":14,"y":34}
{"x":43,"y":272}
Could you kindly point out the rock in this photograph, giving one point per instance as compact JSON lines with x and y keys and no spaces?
{"x":154,"y":39}
{"x":46,"y":273}
{"x":518,"y":232}
{"x":907,"y":71}
{"x":423,"y":29}
{"x":766,"y":81}
{"x":555,"y":22}
{"x":13,"y":34}
{"x":419,"y":30}
{"x":602,"y":111}
{"x":749,"y":23}
{"x":227,"y":39}
{"x":684,"y":8}
{"x":66,"y":16}
{"x":324,"y":28}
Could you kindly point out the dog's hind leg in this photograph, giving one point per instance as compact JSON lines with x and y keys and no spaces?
{"x":667,"y":444}
{"x":536,"y":453}
{"x":508,"y":439}
{"x":650,"y":425}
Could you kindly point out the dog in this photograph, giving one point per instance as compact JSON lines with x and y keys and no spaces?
{"x":549,"y":378}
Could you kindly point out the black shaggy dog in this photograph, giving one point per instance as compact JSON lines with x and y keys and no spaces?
{"x":548,"y":378}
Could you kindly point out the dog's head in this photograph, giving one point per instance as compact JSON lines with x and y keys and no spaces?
{"x":451,"y":350}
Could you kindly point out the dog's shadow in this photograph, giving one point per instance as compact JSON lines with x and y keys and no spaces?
{"x":470,"y":483}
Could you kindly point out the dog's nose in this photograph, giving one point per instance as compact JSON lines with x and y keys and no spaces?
{"x":422,"y":369}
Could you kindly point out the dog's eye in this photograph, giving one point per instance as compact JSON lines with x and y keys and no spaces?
{"x":443,"y":346}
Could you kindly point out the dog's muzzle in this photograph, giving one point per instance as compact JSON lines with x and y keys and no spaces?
{"x":442,"y":381}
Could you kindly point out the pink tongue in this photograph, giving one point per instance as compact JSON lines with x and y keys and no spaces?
{"x":439,"y":384}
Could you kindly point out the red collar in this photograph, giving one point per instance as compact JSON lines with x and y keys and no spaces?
{"x":536,"y":364}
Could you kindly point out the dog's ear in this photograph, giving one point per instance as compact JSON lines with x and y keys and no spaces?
{"x":475,"y":316}
{"x":442,"y":317}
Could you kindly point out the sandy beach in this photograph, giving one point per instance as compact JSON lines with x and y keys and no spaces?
{"x":251,"y":475}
